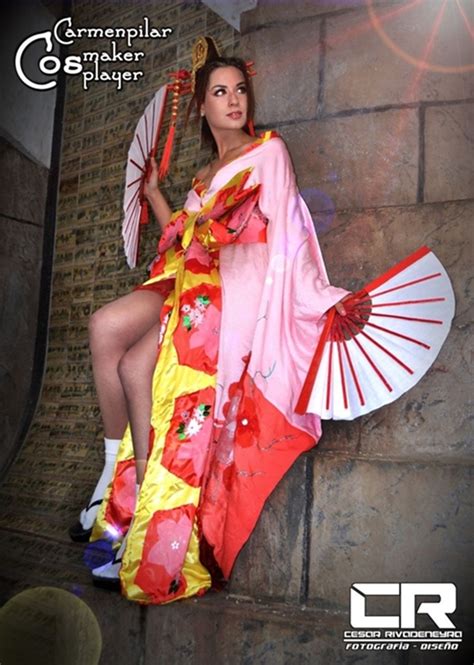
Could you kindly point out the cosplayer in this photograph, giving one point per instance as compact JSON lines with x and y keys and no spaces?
{"x":198,"y":371}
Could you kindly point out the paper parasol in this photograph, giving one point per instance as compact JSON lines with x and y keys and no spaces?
{"x":134,"y":205}
{"x":391,"y":334}
{"x":144,"y":146}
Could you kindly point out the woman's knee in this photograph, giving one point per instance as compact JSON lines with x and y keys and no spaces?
{"x":104,"y":329}
{"x":120,"y":324}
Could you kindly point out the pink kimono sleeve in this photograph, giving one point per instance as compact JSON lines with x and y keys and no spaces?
{"x":293,"y":244}
{"x":296,"y":293}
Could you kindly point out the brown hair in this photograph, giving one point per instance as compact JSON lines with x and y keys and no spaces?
{"x":202,"y":80}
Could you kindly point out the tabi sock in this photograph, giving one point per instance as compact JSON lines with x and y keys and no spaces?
{"x":89,"y":514}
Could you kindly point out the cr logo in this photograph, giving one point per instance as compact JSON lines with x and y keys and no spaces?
{"x":437,"y":610}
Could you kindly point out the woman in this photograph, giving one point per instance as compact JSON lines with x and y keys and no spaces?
{"x":237,"y":294}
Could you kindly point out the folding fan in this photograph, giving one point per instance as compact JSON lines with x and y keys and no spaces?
{"x":391,"y":334}
{"x":144,"y":146}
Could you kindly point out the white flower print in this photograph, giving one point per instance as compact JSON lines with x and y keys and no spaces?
{"x":193,"y":427}
{"x":199,"y":415}
{"x":194,"y":316}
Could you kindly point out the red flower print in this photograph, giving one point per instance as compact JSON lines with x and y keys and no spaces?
{"x":229,"y":409}
{"x":197,"y":334}
{"x":121,"y":505}
{"x":208,"y":332}
{"x":164,"y":552}
{"x":189,"y":436}
{"x":248,"y":430}
{"x":240,"y":413}
{"x":172,"y":542}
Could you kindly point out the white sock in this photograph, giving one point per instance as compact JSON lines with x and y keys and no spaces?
{"x":88,"y":515}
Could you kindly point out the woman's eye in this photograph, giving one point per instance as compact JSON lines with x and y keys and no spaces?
{"x":241,"y":88}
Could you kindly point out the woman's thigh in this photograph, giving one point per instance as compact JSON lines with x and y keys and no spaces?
{"x":126,"y":320}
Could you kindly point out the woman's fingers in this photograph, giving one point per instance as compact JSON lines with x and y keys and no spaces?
{"x":154,"y":167}
{"x":340,"y":309}
{"x":151,"y":182}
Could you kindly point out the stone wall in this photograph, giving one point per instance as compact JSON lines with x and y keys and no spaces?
{"x":26,"y":129}
{"x":383,"y":149}
{"x":22,"y":205}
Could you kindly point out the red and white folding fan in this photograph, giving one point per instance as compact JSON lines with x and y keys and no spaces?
{"x":144,"y":146}
{"x":391,"y":334}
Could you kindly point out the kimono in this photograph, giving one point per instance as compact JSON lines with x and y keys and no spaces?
{"x":246,"y":293}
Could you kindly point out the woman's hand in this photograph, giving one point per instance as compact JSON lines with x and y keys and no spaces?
{"x":340,"y":309}
{"x":150,"y":187}
{"x":155,"y":198}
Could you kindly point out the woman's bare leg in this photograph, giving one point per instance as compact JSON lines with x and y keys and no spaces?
{"x":113,"y":330}
{"x":136,"y":372}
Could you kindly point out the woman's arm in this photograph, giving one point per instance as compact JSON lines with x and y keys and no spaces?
{"x":155,"y":198}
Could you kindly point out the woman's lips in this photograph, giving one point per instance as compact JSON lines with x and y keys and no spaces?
{"x":235,"y":115}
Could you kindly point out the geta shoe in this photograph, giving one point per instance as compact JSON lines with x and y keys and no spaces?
{"x":77,"y":532}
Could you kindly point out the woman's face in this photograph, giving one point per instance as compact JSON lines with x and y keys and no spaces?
{"x":226,"y":93}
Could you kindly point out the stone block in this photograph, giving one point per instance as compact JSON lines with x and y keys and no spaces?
{"x":226,"y":630}
{"x":359,"y":161}
{"x":292,"y":95}
{"x":285,"y":11}
{"x":389,"y":522}
{"x":20,"y":261}
{"x":270,"y":563}
{"x":22,"y":186}
{"x":121,"y":625}
{"x":449,"y":152}
{"x":376,"y":62}
{"x":432,"y":420}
